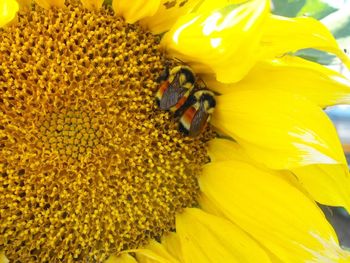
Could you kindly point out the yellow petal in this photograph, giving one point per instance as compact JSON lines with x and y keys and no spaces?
{"x":50,"y":3}
{"x":225,"y":150}
{"x":224,"y":41}
{"x":167,"y":14}
{"x":280,"y":129}
{"x":206,"y":6}
{"x":123,"y":258}
{"x":92,"y":4}
{"x":171,"y":243}
{"x":272,"y":211}
{"x":208,"y":238}
{"x":328,"y":184}
{"x":284,"y":35}
{"x":154,"y":252}
{"x":136,"y":9}
{"x":209,"y":206}
{"x":322,"y":85}
{"x":8,"y":11}
{"x":3,"y":258}
{"x":221,"y":88}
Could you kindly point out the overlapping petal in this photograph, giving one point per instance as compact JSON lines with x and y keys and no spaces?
{"x":273,"y":211}
{"x":208,"y":6}
{"x":210,"y":207}
{"x":283,"y":35}
{"x":315,"y":82}
{"x":208,"y":238}
{"x":135,"y":10}
{"x":50,"y":3}
{"x":280,"y":129}
{"x":172,"y":244}
{"x":8,"y":11}
{"x":224,"y":41}
{"x":167,"y":14}
{"x":154,"y":252}
{"x":327,"y":184}
{"x":225,"y":150}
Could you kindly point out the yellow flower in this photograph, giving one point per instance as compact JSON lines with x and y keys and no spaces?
{"x":91,"y":170}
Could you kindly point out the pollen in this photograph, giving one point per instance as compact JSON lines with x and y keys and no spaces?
{"x":89,"y":166}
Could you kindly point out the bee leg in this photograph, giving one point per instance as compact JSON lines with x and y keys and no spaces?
{"x":158,"y":102}
{"x":165,"y":74}
{"x":183,"y":129}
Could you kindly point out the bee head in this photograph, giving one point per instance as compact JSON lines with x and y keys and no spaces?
{"x":185,"y":76}
{"x":206,"y":98}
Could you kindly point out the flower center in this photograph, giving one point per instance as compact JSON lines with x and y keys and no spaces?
{"x":72,"y":135}
{"x":89,"y":166}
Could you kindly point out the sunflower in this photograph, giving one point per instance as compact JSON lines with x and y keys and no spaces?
{"x":92,"y":170}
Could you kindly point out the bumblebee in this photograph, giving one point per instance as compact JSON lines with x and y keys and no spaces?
{"x":176,"y":85}
{"x":196,"y":112}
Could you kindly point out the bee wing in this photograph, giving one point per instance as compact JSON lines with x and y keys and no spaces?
{"x":172,"y":94}
{"x":193,"y":120}
{"x":199,"y":121}
{"x":184,"y":104}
